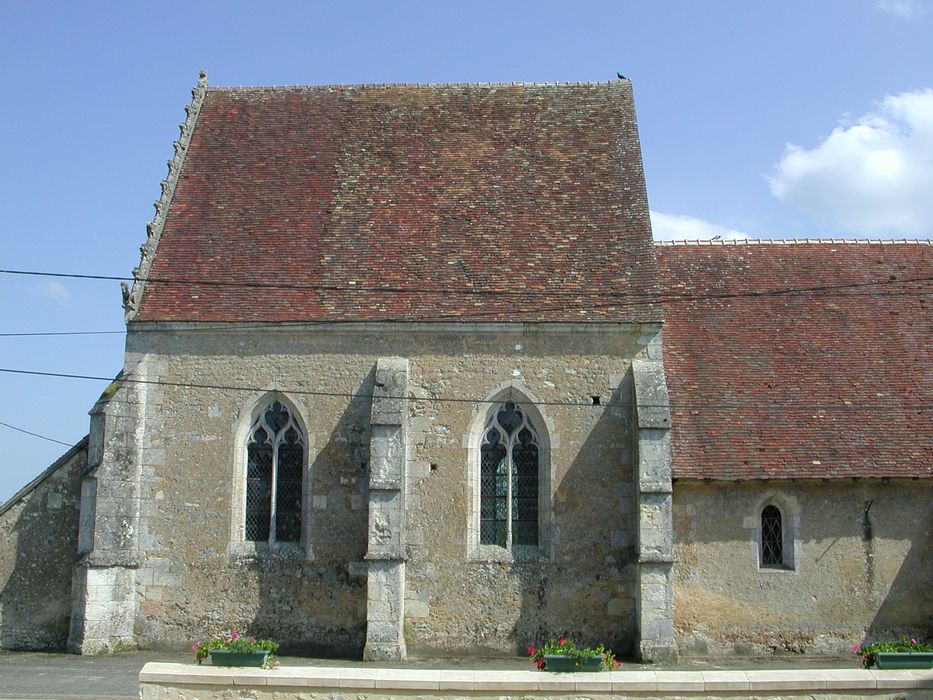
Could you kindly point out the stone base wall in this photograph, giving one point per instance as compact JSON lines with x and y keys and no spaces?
{"x":858,"y":566}
{"x":38,"y":543}
{"x":161,"y":681}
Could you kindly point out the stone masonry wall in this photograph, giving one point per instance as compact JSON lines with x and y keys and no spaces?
{"x":194,"y":580}
{"x":861,"y":571}
{"x":38,"y":543}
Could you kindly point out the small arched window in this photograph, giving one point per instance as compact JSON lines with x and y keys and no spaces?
{"x":275,"y":457}
{"x":509,"y":461}
{"x":772,"y":538}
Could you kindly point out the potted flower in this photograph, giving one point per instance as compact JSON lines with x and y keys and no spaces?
{"x":235,"y":650}
{"x":907,"y":653}
{"x":562,"y":655}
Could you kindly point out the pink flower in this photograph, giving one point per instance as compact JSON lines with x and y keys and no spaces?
{"x":234,"y":635}
{"x":913,"y":641}
{"x":194,"y":647}
{"x":856,"y":648}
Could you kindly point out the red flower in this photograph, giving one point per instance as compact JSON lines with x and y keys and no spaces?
{"x":618,"y":663}
{"x":531,"y":651}
{"x":540,"y":664}
{"x":561,"y":641}
{"x":234,"y":635}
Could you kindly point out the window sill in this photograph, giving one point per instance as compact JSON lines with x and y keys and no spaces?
{"x":520,"y":554}
{"x":262,"y":551}
{"x":776,"y":570}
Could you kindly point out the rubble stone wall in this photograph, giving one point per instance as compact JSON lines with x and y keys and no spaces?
{"x":194,"y":580}
{"x":38,"y":543}
{"x":859,"y":566}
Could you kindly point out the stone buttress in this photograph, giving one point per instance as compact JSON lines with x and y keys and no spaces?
{"x":654,"y":514}
{"x":104,"y":578}
{"x":385,"y":600}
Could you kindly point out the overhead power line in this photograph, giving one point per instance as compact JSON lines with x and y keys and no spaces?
{"x":29,"y":432}
{"x":677,"y":405}
{"x":630,"y":296}
{"x":840,"y":290}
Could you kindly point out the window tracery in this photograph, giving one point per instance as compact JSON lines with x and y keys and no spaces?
{"x":275,"y":457}
{"x":509,"y":476}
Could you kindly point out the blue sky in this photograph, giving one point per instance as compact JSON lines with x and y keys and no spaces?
{"x":760,"y":119}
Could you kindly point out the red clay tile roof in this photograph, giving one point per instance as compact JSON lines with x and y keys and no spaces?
{"x":536,"y":190}
{"x":822,"y":384}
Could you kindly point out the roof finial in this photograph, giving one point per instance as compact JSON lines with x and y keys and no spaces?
{"x":202,"y":78}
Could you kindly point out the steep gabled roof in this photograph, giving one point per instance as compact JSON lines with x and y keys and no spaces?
{"x":833,"y":380}
{"x":533,"y":192}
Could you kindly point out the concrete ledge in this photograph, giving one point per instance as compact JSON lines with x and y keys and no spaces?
{"x":159,"y":681}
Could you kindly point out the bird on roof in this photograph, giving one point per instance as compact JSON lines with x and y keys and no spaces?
{"x":621,"y":77}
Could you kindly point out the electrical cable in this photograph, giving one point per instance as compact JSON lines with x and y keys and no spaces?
{"x":653,"y":297}
{"x":28,"y":432}
{"x":835,"y":290}
{"x":343,"y":394}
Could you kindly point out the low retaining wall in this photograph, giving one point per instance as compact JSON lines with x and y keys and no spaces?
{"x":161,"y":681}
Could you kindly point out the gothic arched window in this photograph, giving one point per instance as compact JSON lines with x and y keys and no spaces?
{"x":509,"y":456}
{"x":275,"y":457}
{"x":772,"y":538}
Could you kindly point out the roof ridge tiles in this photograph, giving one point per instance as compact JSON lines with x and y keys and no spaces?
{"x":557,"y":83}
{"x":796,"y":241}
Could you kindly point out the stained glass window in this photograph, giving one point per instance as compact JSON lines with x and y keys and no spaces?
{"x":772,"y":538}
{"x":275,"y":455}
{"x":509,"y":457}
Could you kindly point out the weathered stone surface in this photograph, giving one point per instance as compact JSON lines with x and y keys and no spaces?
{"x":38,"y":541}
{"x":655,"y":527}
{"x":861,"y":571}
{"x":654,"y":520}
{"x":651,"y":394}
{"x":191,"y":584}
{"x":385,"y":605}
{"x":104,"y":600}
{"x":386,"y":525}
{"x":386,"y":457}
{"x":654,"y":460}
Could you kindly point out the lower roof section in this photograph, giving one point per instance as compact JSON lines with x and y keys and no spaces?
{"x":799,"y":360}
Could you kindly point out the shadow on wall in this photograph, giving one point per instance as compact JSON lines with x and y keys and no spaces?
{"x":910,"y":593}
{"x":318,"y":608}
{"x":38,"y":541}
{"x":586,"y":593}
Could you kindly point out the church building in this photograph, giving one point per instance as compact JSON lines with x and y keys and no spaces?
{"x":406,"y":375}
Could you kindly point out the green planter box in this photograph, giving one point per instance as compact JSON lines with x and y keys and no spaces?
{"x":222,"y":657}
{"x":567,"y":664}
{"x":904,"y":659}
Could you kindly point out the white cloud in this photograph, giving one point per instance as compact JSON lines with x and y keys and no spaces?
{"x":873,"y":177}
{"x":56,"y":291}
{"x":901,"y":8}
{"x":678,"y":227}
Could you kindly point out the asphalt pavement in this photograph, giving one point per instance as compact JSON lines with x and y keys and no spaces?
{"x":38,"y":676}
{"x":41,"y":676}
